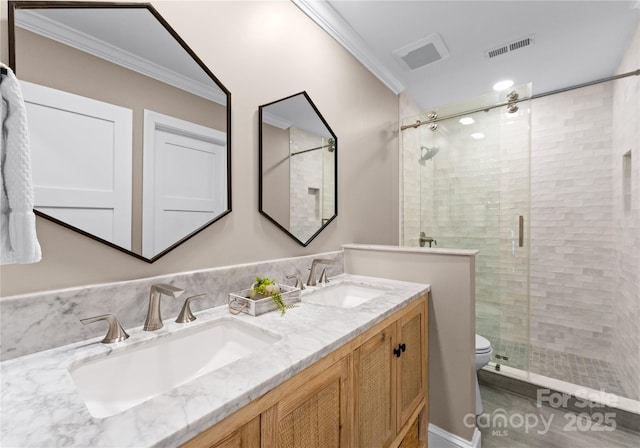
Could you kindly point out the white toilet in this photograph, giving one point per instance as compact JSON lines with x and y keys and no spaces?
{"x":483,"y":356}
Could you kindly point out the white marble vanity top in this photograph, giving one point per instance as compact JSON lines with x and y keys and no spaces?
{"x":40,"y":406}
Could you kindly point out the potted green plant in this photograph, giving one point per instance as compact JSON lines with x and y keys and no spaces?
{"x":264,"y":295}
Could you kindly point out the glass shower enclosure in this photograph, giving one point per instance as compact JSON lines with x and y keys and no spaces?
{"x":547,"y":189}
{"x":466,"y":180}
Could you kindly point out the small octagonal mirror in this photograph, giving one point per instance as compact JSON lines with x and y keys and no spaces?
{"x":298,"y":167}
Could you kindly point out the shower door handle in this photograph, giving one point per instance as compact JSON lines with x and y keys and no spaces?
{"x":520,"y":231}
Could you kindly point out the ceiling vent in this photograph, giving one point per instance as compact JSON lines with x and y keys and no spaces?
{"x":423,"y":52}
{"x":508,"y":48}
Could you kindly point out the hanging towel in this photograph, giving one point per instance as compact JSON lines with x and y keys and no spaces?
{"x":18,"y":240}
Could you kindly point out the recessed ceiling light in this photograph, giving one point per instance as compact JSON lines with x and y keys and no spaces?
{"x":477,"y":135}
{"x":502,"y":85}
{"x":467,"y":120}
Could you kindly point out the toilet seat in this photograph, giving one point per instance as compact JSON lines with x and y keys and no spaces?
{"x":482,"y":345}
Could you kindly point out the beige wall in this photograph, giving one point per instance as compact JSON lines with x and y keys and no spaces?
{"x":452,"y":314}
{"x":275,"y":174}
{"x":261,"y":51}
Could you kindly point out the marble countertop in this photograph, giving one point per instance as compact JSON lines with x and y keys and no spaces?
{"x":40,"y":406}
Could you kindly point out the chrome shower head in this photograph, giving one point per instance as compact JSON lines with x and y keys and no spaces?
{"x":427,"y":153}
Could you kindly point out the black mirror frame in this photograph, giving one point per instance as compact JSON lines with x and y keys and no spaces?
{"x":260,"y":165}
{"x":14,"y":5}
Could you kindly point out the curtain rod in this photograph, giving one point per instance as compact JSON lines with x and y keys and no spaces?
{"x":533,"y":97}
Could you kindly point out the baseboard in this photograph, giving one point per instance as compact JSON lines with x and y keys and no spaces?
{"x":439,"y":438}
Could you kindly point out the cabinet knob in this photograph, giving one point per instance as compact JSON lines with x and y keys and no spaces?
{"x":397,"y":352}
{"x":402,"y":347}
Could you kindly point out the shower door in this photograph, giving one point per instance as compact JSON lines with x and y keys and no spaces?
{"x":466,"y":186}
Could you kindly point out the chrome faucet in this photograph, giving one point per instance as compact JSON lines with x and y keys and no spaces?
{"x":154,"y":319}
{"x":312,"y":274}
{"x":115,"y":333}
{"x":299,"y":283}
{"x":426,"y":239}
{"x":186,"y":315}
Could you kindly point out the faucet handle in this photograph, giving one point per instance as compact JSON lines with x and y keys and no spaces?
{"x":299,"y":283}
{"x":185,"y":313}
{"x":323,"y":278}
{"x":115,"y":333}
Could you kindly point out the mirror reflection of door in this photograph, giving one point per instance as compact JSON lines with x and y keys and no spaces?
{"x":184,"y":174}
{"x":81,"y":160}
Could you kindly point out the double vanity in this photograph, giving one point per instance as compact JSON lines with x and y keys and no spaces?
{"x":352,"y":351}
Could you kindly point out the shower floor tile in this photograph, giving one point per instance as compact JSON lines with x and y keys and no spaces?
{"x":582,"y":371}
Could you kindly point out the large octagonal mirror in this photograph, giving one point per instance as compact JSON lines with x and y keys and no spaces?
{"x":129,"y":129}
{"x":298,"y":167}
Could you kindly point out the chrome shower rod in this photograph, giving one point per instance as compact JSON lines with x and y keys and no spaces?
{"x":532,"y":97}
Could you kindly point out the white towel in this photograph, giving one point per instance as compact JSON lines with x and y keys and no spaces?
{"x":18,"y":240}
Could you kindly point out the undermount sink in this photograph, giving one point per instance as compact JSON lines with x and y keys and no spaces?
{"x":123,"y":380}
{"x":343,"y":295}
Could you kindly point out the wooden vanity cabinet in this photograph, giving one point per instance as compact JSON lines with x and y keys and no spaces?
{"x":390,"y":378}
{"x":246,"y":436}
{"x":369,"y":393}
{"x":374,"y":371}
{"x":313,"y":415}
{"x":412,"y":366}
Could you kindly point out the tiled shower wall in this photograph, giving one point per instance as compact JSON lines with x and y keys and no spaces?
{"x":626,"y":215}
{"x":585,"y":264}
{"x":572,"y":238}
{"x":306,"y":184}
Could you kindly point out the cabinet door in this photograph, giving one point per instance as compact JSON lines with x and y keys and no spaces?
{"x":247,"y":436}
{"x":412,"y":367}
{"x":374,"y":370}
{"x":312,"y":416}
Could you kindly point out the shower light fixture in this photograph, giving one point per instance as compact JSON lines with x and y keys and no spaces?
{"x":477,"y":135}
{"x":502,"y":85}
{"x":467,"y":120}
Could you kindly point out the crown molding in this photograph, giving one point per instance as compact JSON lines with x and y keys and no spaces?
{"x":329,"y":20}
{"x":275,"y":120}
{"x":36,"y":23}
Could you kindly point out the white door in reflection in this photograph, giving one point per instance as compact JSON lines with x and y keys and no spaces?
{"x":81,"y":161}
{"x":184,"y":180}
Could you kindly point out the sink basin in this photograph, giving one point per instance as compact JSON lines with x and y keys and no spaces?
{"x":123,"y":380}
{"x":343,"y":295}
